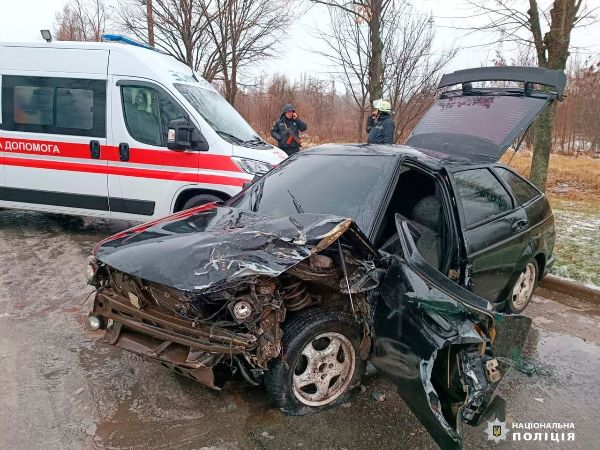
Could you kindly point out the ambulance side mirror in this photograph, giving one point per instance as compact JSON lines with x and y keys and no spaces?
{"x":183,"y":136}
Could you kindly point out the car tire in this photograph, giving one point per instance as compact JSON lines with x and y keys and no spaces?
{"x":311,"y":376}
{"x":523,"y":288}
{"x":200,"y":199}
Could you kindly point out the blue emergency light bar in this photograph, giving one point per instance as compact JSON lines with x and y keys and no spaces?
{"x":125,"y":40}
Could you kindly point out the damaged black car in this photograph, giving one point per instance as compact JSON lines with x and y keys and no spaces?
{"x":417,"y":258}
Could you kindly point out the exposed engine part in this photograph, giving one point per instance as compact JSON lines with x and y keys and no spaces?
{"x":296,"y":296}
{"x":320,"y":270}
{"x":475,"y":382}
{"x":321,"y":261}
{"x":266,"y":286}
{"x":492,"y":372}
{"x":269,"y":342}
{"x":342,"y":259}
{"x":242,"y":310}
{"x":363,"y":279}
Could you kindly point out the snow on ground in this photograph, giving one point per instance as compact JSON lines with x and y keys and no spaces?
{"x":577,"y":247}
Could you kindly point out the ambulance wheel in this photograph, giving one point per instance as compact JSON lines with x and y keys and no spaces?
{"x":200,"y":199}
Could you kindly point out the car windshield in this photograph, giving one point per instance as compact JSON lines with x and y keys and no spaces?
{"x":219,"y":114}
{"x":345,"y":186}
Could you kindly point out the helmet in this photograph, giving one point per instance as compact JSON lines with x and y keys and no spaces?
{"x":382,"y":105}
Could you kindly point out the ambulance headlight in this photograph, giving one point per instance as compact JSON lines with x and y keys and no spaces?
{"x":252,"y":166}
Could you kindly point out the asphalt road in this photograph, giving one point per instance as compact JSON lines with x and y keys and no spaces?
{"x":62,"y":387}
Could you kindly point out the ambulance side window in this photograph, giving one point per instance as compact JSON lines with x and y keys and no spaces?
{"x":148,"y":113}
{"x":71,"y":106}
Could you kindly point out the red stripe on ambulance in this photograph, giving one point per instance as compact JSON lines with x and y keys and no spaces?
{"x":166,"y":158}
{"x":123,"y":171}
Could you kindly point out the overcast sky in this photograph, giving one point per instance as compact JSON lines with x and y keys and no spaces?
{"x":21,"y":20}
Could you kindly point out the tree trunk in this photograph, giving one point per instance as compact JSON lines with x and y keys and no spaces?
{"x":375,"y":63}
{"x":542,"y":147}
{"x":361,"y":124}
{"x":556,"y":43}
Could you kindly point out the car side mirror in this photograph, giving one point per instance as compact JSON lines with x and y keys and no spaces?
{"x":183,"y":136}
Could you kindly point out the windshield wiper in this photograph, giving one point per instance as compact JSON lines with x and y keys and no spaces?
{"x":297,"y":204}
{"x":230,"y":136}
{"x":255,"y":140}
{"x":259,"y":192}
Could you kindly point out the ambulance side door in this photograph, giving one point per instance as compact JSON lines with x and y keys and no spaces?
{"x":144,"y":173}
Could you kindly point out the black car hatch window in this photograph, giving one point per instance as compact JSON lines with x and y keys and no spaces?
{"x":523,"y":190}
{"x":482,"y":195}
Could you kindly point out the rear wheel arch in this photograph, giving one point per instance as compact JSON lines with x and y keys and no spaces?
{"x":186,"y":195}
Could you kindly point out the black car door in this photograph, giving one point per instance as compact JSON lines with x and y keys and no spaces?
{"x":495,"y":231}
{"x":442,"y":346}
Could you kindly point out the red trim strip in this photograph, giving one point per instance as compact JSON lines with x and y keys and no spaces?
{"x":165,"y":157}
{"x":144,"y":226}
{"x":124,"y":171}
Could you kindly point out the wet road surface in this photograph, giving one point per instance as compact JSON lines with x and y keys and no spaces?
{"x":64,"y":388}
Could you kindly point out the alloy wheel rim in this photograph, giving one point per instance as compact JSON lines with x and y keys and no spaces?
{"x":324,"y":369}
{"x":524,"y":287}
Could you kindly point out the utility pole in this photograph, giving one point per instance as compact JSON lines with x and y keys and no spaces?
{"x":150,"y":20}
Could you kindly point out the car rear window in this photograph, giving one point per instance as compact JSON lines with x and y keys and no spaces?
{"x":523,"y":190}
{"x":482,"y":195}
{"x":494,"y":118}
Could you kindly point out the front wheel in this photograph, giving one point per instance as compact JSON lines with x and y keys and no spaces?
{"x":320,"y":363}
{"x":523,"y":288}
{"x":200,"y":199}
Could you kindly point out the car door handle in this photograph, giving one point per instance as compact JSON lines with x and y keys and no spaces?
{"x":124,"y":151}
{"x":95,"y":149}
{"x":519,"y":224}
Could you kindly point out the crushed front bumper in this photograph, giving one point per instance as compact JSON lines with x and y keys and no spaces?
{"x":188,"y":348}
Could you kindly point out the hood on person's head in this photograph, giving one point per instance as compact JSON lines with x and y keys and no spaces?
{"x":287,"y":108}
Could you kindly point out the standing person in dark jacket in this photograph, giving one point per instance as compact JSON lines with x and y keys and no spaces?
{"x":383,"y":130}
{"x":286,"y":130}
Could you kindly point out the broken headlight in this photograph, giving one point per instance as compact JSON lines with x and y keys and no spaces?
{"x":91,"y":269}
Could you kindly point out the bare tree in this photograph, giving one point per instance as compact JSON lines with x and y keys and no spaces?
{"x":180,"y":29}
{"x":218,"y":38}
{"x":244,"y":33}
{"x":409,"y":69}
{"x":522,"y":22}
{"x":347,"y":45}
{"x":81,"y":20}
{"x":372,"y":13}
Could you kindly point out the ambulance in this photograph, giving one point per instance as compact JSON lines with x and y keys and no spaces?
{"x":117,"y":129}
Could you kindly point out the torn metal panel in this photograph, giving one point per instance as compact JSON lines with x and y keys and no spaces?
{"x":436,"y":347}
{"x":210,"y":249}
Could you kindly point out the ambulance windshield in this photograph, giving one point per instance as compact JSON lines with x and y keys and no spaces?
{"x":219,"y":114}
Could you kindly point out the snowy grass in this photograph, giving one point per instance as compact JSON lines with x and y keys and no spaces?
{"x":577,"y":248}
{"x":569,"y":177}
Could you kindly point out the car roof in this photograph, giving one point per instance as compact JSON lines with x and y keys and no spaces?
{"x":432,"y":159}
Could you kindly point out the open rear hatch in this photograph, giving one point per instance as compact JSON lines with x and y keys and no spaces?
{"x":481,"y":123}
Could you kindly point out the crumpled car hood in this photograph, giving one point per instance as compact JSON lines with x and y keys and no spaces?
{"x":202,"y":249}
